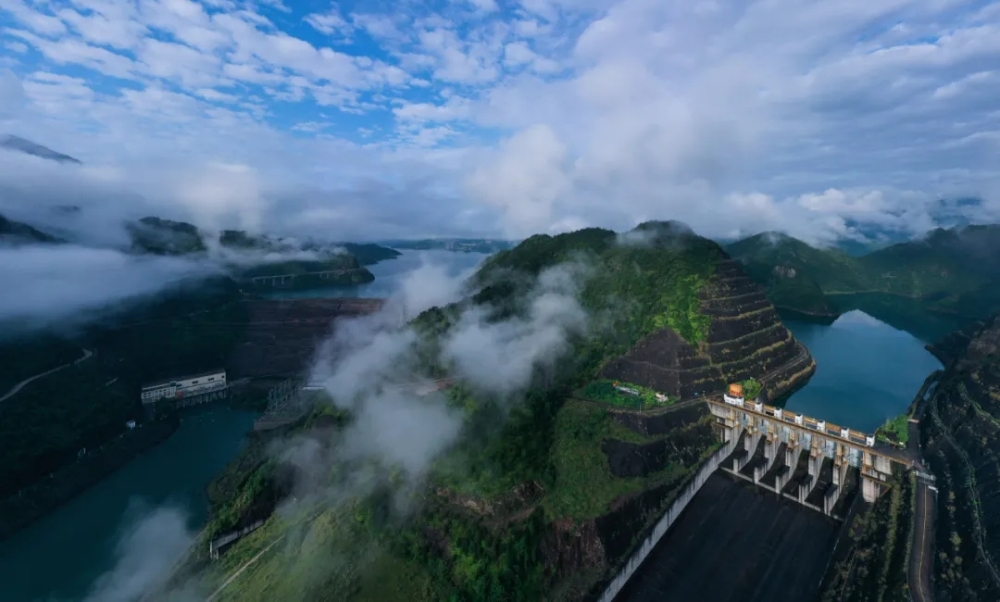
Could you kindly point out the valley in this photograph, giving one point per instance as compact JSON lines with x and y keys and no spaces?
{"x":567,"y":484}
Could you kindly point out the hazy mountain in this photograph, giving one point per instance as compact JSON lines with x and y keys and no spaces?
{"x":12,"y":232}
{"x":16,"y":143}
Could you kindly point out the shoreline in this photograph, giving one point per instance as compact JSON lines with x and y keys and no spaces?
{"x":20,"y":510}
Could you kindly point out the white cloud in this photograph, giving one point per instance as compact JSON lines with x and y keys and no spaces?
{"x":11,"y":93}
{"x":526,"y":180}
{"x":561,"y":112}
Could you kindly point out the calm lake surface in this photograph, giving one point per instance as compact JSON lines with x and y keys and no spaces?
{"x":866,"y":370}
{"x":59,"y":557}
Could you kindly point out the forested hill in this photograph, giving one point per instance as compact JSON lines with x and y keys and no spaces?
{"x":551,"y":482}
{"x":953,"y":270}
{"x":959,"y":434}
{"x":12,"y":232}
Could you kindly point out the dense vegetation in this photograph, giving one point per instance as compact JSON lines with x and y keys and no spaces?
{"x":896,"y":429}
{"x":540,"y":500}
{"x":958,"y":433}
{"x":955,"y":271}
{"x":875,"y":570}
{"x":45,"y":425}
{"x":608,"y":391}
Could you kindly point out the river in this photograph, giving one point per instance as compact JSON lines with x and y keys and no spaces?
{"x":59,"y":557}
{"x":866,"y":370}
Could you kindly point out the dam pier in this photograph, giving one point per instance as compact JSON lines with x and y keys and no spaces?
{"x":791,"y":460}
{"x":802,"y":458}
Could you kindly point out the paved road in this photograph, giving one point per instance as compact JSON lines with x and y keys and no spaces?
{"x":922,"y":555}
{"x":922,"y":534}
{"x":17,"y":388}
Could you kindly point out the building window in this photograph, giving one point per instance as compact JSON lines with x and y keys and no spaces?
{"x":211,"y":378}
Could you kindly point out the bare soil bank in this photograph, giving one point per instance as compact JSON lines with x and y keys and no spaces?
{"x":735,"y":543}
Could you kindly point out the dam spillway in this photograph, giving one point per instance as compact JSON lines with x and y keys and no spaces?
{"x":801,"y":473}
{"x":737,"y":542}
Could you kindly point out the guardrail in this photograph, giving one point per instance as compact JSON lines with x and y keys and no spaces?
{"x":806,"y":422}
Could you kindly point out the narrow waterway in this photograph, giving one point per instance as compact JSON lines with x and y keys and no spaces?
{"x":867,"y":371}
{"x":61,"y":556}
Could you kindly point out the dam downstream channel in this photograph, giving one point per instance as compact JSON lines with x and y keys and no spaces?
{"x":64,"y":555}
{"x":735,"y":541}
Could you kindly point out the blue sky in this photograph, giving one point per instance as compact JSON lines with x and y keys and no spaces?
{"x":506,"y":117}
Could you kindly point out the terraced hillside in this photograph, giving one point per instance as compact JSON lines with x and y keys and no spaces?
{"x":543,"y":496}
{"x":959,"y":434}
{"x":746,"y":339}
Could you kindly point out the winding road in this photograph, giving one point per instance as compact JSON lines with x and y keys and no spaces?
{"x":17,"y":388}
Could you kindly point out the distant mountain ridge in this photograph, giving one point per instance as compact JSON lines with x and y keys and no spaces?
{"x":16,"y":143}
{"x":14,"y":232}
{"x":953,"y":270}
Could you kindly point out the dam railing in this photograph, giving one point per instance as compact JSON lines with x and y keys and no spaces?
{"x":676,"y":508}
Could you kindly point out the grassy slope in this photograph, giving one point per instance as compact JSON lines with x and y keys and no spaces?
{"x":954,"y":270}
{"x":547,"y":440}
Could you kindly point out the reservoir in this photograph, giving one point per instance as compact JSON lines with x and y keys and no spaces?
{"x":866,"y":370}
{"x":61,"y":556}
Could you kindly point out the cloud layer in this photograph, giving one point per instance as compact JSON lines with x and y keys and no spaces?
{"x":516,"y":116}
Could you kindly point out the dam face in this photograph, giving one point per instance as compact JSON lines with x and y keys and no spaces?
{"x":737,"y":543}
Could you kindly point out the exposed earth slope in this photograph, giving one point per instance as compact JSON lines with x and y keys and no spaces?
{"x":548,"y":503}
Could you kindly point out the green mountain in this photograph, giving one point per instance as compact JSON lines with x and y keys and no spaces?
{"x":953,"y":270}
{"x":158,"y":236}
{"x":958,"y":436}
{"x":12,"y":232}
{"x":545,"y":499}
{"x":334,"y":267}
{"x":370,"y":253}
{"x":16,"y":143}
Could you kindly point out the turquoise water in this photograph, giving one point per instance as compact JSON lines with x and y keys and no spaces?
{"x":866,"y":370}
{"x":60,"y":556}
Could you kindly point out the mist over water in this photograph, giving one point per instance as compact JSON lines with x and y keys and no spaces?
{"x":120,"y":536}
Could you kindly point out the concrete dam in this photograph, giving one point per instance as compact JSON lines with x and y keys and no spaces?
{"x":761,"y":517}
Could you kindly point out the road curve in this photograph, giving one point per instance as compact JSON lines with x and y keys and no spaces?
{"x":17,"y":388}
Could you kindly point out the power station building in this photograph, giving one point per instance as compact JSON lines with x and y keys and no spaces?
{"x":186,"y":386}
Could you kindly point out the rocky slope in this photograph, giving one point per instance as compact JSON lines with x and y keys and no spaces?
{"x":959,"y":434}
{"x":745,"y":339}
